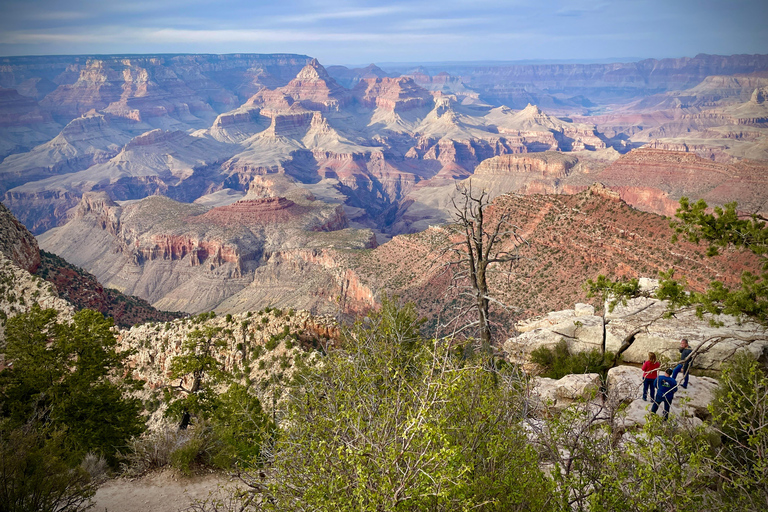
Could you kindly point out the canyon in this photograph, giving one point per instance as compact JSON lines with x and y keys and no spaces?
{"x":235,"y":182}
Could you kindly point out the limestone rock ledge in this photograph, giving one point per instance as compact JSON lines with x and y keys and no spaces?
{"x":634,"y":329}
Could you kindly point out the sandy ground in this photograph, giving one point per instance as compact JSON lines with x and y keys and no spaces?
{"x":162,"y":491}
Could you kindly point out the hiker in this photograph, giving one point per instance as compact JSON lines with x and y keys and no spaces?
{"x":685,"y":362}
{"x":665,"y":391}
{"x":650,"y":372}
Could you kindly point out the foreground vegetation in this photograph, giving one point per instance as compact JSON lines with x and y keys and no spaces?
{"x":388,"y":421}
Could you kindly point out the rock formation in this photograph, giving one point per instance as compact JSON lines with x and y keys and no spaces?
{"x":631,"y":331}
{"x":16,"y":243}
{"x":191,"y":257}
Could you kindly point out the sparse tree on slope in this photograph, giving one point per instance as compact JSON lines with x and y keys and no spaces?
{"x":480,"y":249}
{"x":198,"y":362}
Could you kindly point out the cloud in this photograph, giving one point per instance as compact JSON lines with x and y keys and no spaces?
{"x":280,"y":35}
{"x":438,"y":23}
{"x":171,"y":35}
{"x":341,"y":15}
{"x":581,"y":7}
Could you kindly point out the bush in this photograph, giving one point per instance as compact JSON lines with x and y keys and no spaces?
{"x":272,"y":343}
{"x":37,"y":472}
{"x":192,"y":451}
{"x":151,"y":451}
{"x":558,"y":362}
{"x":391,"y":425}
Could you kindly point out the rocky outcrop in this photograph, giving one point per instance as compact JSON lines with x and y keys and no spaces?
{"x":19,"y":290}
{"x":395,"y":94}
{"x":582,"y":330}
{"x":639,"y":327}
{"x":618,"y":400}
{"x":313,"y":88}
{"x":547,"y":164}
{"x":16,"y":243}
{"x":558,"y":394}
{"x":625,"y":384}
{"x":261,"y":346}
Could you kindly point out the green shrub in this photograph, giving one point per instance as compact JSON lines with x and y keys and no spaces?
{"x":272,"y":343}
{"x":558,"y":362}
{"x":182,"y":458}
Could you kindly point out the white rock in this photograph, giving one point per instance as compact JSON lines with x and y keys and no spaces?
{"x":583,"y":309}
{"x":582,"y":334}
{"x":625,"y":382}
{"x":561,"y":393}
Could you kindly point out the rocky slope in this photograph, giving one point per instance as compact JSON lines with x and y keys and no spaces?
{"x":189,"y":257}
{"x":654,"y":180}
{"x":29,"y":274}
{"x":571,"y":238}
{"x":16,"y":243}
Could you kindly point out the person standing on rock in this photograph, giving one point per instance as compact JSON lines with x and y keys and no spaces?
{"x":665,"y":391}
{"x":685,"y":362}
{"x":650,"y":373}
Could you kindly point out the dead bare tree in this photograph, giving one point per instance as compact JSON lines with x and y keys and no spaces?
{"x":481,"y":248}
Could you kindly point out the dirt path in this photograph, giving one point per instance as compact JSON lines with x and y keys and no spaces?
{"x":163,"y":491}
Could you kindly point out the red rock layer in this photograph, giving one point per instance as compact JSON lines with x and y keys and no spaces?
{"x":548,"y":164}
{"x":312,"y":88}
{"x":662,"y":177}
{"x":254,"y":211}
{"x":394,"y":94}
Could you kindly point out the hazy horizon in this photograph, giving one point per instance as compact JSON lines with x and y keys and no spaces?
{"x":362,"y":31}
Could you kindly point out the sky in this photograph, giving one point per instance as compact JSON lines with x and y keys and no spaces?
{"x":358,"y":32}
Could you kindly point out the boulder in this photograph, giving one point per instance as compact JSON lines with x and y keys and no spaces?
{"x":561,"y":393}
{"x":554,"y":318}
{"x":698,"y":395}
{"x":638,"y":327}
{"x":625,"y":383}
{"x":581,"y":332}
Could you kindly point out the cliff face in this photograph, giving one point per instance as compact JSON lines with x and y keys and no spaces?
{"x":654,"y":180}
{"x":142,"y":87}
{"x":615,"y":81}
{"x":191,"y":257}
{"x":548,"y":164}
{"x":16,"y":243}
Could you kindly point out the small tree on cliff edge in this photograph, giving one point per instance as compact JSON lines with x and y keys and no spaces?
{"x":722,"y":228}
{"x":480,"y":248}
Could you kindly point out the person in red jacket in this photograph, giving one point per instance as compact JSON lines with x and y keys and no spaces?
{"x":650,"y":372}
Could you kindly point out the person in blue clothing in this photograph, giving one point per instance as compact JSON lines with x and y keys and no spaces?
{"x":685,"y":362}
{"x":665,"y":391}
